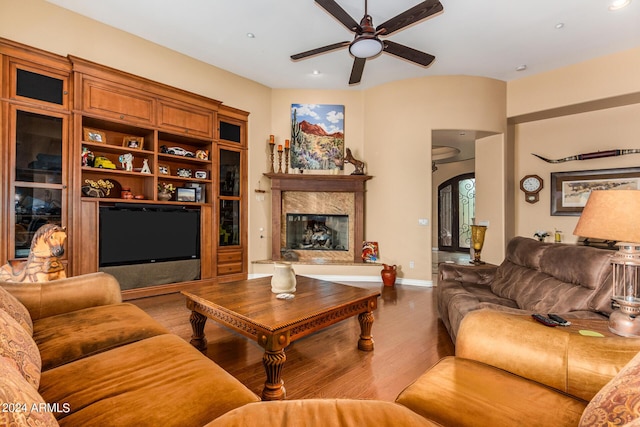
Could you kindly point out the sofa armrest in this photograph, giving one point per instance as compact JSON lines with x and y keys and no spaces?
{"x":45,"y":299}
{"x":480,"y":274}
{"x":557,"y":357}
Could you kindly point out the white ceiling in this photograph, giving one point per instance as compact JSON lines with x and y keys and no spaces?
{"x":470,"y":37}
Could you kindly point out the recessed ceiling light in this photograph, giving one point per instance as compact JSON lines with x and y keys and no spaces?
{"x":251,"y":35}
{"x":619,"y":4}
{"x":315,"y":72}
{"x":559,"y":25}
{"x":521,"y":67}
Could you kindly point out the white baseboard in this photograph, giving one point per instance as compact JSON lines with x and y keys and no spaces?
{"x":343,"y":278}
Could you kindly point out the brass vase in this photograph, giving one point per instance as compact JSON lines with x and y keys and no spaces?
{"x":477,"y":240}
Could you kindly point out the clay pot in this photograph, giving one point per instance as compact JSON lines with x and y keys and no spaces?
{"x":388,"y":274}
{"x":164,"y":196}
{"x":284,"y":278}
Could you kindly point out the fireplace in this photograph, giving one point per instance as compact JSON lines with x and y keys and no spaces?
{"x":317,"y":232}
{"x":319,"y":217}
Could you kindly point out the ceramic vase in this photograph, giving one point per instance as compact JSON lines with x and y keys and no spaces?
{"x":164,"y":196}
{"x":388,"y":274}
{"x":283,"y":279}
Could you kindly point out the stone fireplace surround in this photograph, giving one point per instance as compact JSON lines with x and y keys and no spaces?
{"x":318,"y":194}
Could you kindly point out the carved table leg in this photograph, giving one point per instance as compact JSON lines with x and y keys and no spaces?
{"x":273,"y":362}
{"x":365,"y":343}
{"x":198,"y":339}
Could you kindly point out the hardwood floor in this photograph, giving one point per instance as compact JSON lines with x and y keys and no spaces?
{"x":408,"y":337}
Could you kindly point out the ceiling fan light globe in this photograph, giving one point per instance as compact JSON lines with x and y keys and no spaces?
{"x":366,"y":47}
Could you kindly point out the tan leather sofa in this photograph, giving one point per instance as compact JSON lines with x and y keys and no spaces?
{"x":87,"y":358}
{"x":535,"y":277}
{"x":508,"y":371}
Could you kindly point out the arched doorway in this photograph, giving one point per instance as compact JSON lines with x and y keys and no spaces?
{"x":456,"y":209}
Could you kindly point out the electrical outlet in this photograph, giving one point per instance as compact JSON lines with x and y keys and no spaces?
{"x":412,"y":264}
{"x":423,"y":221}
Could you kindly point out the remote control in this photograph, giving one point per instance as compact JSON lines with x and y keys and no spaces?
{"x":544,"y":320}
{"x":559,"y":320}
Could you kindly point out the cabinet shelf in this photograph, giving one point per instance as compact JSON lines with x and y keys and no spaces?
{"x":115,"y":149}
{"x":116,"y":172}
{"x":173,"y":157}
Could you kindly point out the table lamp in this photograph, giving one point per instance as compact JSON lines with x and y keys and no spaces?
{"x":613,"y":215}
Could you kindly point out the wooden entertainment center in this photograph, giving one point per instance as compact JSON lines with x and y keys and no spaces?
{"x":61,"y":114}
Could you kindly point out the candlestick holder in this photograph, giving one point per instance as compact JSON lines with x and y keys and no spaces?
{"x":272,"y":157}
{"x":286,"y":159}
{"x":279,"y":161}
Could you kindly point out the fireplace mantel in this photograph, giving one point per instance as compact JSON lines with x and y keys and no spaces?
{"x":281,"y":183}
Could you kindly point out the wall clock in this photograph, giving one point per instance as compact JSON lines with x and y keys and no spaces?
{"x":531,"y":185}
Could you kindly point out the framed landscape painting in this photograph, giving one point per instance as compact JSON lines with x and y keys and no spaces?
{"x":317,"y":136}
{"x":570,"y":190}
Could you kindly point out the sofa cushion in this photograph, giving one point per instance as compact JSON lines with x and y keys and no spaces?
{"x":11,"y":305}
{"x":17,"y":344}
{"x":618,"y":402}
{"x":158,"y":381}
{"x":321,"y":413}
{"x":552,"y":277}
{"x":464,"y":393}
{"x":22,"y":406}
{"x":77,"y":334}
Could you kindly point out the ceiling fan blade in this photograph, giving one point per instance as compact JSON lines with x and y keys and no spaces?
{"x":339,"y":13}
{"x":356,"y":70}
{"x":415,"y":14}
{"x":319,"y":50}
{"x":408,"y":53}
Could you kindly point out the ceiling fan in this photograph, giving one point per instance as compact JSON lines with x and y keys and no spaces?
{"x":367,"y":44}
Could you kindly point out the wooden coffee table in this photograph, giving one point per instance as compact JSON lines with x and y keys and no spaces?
{"x":249,"y":307}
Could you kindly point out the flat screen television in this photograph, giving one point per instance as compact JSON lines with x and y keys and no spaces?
{"x":142,"y":234}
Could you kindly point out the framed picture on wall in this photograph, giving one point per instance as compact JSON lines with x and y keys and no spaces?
{"x":317,"y":136}
{"x":570,"y":190}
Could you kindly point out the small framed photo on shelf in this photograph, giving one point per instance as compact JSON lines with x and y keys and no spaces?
{"x":133,"y":142}
{"x":186,"y":194}
{"x":164,"y":170}
{"x":92,"y":135}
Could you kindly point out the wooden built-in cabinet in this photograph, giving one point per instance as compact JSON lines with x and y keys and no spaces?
{"x":61,"y":114}
{"x":231,"y":192}
{"x":34,"y":156}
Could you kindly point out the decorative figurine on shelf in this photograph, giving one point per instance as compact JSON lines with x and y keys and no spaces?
{"x":202,"y":154}
{"x":127,"y":161}
{"x":87,"y":157}
{"x":43,"y":263}
{"x":145,"y":166}
{"x":358,"y":164}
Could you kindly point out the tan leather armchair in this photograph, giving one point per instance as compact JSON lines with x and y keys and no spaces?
{"x":511,"y":370}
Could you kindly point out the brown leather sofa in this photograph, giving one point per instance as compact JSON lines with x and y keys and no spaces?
{"x":87,"y":358}
{"x":508,"y":371}
{"x":535,"y":277}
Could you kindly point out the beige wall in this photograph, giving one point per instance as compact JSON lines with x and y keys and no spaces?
{"x":399,"y":120}
{"x":587,"y":107}
{"x":608,"y":76}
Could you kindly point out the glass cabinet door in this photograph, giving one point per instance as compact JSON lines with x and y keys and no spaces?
{"x":38,"y":181}
{"x":229,"y":197}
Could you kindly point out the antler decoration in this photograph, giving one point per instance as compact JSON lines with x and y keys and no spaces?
{"x":588,"y":156}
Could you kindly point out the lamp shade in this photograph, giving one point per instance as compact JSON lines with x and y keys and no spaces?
{"x":611,"y":215}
